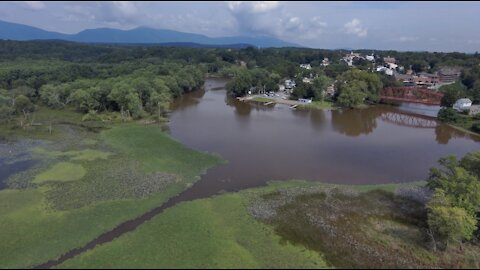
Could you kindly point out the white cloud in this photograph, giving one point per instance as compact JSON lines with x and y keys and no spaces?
{"x":35,"y":5}
{"x":317,"y":22}
{"x":127,"y":8}
{"x":354,"y":27}
{"x":253,"y":6}
{"x":274,"y":19}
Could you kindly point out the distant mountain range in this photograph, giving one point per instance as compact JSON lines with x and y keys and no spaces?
{"x":140,"y":35}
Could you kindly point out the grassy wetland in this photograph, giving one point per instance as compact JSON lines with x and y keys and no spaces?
{"x":293,"y":224}
{"x":93,"y":176}
{"x":86,"y":183}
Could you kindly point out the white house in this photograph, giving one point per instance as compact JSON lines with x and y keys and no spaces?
{"x":370,"y":57}
{"x":462,"y":104}
{"x":385,"y":70}
{"x":349,"y":61}
{"x":306,"y":66}
{"x":392,"y":65}
{"x":325,"y":62}
{"x":389,"y":72}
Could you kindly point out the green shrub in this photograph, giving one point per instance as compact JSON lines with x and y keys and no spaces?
{"x":448,"y":115}
{"x":91,"y":116}
{"x":476,"y":127}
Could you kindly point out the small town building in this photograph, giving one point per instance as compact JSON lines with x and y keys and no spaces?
{"x":449,"y":74}
{"x":289,"y":84}
{"x":391,"y":65}
{"x":462,"y":104}
{"x":385,"y":70}
{"x":306,"y":66}
{"x":427,"y":79}
{"x":474,"y":110}
{"x":406,"y":79}
{"x":325,"y":62}
{"x":370,"y":58}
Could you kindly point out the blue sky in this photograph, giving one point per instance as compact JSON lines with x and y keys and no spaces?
{"x":432,"y":26}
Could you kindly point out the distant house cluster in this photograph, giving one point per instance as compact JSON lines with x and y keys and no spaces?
{"x":444,"y":76}
{"x":390,"y":66}
{"x":349,"y":58}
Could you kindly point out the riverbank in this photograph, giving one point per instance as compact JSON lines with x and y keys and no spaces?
{"x":87,"y":183}
{"x":292,"y":224}
{"x":319,"y":105}
{"x":462,"y":129}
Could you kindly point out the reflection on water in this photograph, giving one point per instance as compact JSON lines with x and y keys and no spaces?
{"x":353,"y":122}
{"x":420,"y":109}
{"x":8,"y":169}
{"x":380,"y":144}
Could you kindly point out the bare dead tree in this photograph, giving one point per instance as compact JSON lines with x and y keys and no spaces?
{"x":430,"y":233}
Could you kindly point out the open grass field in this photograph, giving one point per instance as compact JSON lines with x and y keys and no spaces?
{"x":262,"y":99}
{"x":318,"y":105}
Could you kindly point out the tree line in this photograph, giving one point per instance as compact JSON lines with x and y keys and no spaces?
{"x":95,"y":77}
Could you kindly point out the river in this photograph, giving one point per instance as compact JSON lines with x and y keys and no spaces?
{"x":380,"y":144}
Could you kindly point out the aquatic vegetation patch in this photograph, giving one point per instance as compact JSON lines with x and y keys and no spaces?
{"x":114,"y":179}
{"x":87,"y":154}
{"x":61,"y":172}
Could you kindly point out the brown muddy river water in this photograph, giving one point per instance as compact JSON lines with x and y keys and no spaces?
{"x":382,"y":144}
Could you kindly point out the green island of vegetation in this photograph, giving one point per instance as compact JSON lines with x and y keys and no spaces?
{"x":91,"y":116}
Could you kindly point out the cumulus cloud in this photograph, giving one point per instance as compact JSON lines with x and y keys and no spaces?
{"x":252,"y":6}
{"x":355,"y":27}
{"x":273,"y":19}
{"x":35,"y":5}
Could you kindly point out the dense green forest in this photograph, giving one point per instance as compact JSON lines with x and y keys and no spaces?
{"x":140,"y":81}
